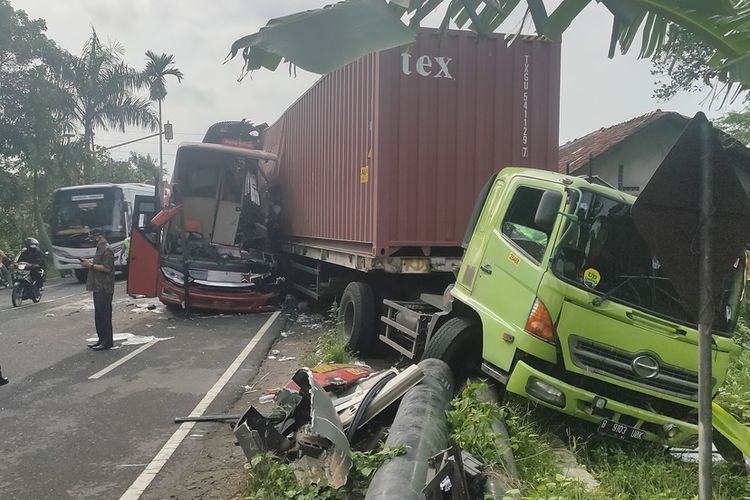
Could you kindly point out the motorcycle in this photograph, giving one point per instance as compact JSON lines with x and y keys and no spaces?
{"x":24,"y":285}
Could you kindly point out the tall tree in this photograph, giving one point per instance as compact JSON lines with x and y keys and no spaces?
{"x":102,"y":89}
{"x":158,"y":68}
{"x":33,"y":115}
{"x":321,"y":40}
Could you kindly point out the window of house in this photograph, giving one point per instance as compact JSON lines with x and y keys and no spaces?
{"x":519,"y":226}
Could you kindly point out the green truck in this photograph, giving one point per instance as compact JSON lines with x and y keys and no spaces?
{"x":559,"y":300}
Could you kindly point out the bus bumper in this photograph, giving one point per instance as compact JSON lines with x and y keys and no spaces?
{"x":202,"y":298}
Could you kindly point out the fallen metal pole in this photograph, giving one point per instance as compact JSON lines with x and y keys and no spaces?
{"x":421,"y":426}
{"x":705,"y":316}
{"x":496,"y":486}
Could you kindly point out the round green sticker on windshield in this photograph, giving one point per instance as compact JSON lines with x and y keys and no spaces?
{"x":591,"y":277}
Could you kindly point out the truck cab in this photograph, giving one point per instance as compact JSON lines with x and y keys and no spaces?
{"x":559,"y":299}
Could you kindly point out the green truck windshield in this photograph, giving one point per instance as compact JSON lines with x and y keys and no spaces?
{"x":604,"y":253}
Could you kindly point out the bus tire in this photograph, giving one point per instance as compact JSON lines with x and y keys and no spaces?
{"x":458,"y":342}
{"x":356,"y":317}
{"x":81,"y":275}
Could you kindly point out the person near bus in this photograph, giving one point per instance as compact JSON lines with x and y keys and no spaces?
{"x":32,"y":254}
{"x":101,"y":281}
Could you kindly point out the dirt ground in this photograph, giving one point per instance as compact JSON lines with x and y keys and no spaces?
{"x":213,"y":466}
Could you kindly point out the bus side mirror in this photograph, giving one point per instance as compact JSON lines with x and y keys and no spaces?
{"x":547,"y":211}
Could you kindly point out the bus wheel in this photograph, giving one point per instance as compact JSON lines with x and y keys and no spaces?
{"x":357,"y":317}
{"x":459,"y":343}
{"x":81,"y":275}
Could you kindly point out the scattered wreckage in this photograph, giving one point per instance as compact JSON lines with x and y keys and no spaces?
{"x":322,"y":414}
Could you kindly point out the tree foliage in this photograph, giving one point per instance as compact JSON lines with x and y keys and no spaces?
{"x":51,"y":105}
{"x":323,"y":39}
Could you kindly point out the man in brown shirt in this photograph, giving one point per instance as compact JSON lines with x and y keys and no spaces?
{"x":101,"y":281}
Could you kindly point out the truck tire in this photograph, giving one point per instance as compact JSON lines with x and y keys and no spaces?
{"x":459,"y":343}
{"x":728,"y":451}
{"x":357,"y":317}
{"x":81,"y":275}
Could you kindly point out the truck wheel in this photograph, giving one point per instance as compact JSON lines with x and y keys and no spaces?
{"x":357,"y":317}
{"x":728,"y":451}
{"x":81,"y":275}
{"x":459,"y":343}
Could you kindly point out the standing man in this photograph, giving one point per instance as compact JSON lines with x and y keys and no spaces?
{"x":101,"y":281}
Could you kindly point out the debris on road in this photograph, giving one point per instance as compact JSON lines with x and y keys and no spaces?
{"x":454,"y":474}
{"x":420,"y":425}
{"x":131,"y":339}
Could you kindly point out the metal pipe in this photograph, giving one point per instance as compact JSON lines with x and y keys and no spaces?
{"x":421,"y":426}
{"x":495,"y":485}
{"x":705,"y":314}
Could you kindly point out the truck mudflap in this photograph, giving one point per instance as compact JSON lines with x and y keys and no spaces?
{"x":545,"y":389}
{"x":736,"y":432}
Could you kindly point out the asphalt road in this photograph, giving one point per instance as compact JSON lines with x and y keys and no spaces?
{"x":75,"y":423}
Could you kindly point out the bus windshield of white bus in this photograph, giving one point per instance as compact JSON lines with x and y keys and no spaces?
{"x":78,"y":211}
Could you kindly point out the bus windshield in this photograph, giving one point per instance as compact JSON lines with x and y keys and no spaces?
{"x":604,"y":253}
{"x":77,"y":211}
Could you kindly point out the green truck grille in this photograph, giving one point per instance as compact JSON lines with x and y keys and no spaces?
{"x":611,"y":362}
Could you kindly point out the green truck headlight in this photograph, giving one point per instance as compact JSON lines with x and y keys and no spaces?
{"x":545,"y":392}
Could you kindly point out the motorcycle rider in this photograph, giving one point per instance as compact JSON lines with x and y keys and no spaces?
{"x":32,"y":254}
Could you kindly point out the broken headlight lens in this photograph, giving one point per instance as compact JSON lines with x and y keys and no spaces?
{"x":173,"y":275}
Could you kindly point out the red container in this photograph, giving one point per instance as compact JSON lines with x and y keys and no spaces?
{"x":391,"y":150}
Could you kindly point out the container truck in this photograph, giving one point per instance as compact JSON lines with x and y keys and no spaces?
{"x":391,"y":201}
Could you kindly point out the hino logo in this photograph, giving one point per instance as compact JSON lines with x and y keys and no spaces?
{"x":645,"y":366}
{"x":424,"y":66}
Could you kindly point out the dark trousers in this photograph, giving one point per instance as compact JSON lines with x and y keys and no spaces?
{"x":103,"y":317}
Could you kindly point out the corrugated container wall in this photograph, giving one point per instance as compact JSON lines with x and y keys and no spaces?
{"x":388,"y":153}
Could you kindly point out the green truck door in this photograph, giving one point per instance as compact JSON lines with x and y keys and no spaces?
{"x":512,"y":264}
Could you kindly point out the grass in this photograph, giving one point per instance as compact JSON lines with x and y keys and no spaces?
{"x":270,"y":478}
{"x":625,"y":472}
{"x":332,"y":345}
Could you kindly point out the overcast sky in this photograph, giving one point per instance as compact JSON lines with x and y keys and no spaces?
{"x":596,"y":92}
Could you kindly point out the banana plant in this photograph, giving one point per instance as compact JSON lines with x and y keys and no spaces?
{"x":324,"y":39}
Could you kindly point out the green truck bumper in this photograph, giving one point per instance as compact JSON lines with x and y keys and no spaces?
{"x":549,"y":391}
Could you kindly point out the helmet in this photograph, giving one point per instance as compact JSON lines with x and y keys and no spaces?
{"x":31,"y":243}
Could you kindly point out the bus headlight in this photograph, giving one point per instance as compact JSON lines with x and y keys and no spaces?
{"x":173,"y":275}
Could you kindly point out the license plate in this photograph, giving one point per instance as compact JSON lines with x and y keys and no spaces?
{"x":620,"y":431}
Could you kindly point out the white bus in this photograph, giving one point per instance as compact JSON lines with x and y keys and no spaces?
{"x":79,"y":209}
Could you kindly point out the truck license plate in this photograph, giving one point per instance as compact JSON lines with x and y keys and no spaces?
{"x":620,"y":431}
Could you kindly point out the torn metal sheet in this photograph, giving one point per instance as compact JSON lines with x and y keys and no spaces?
{"x":392,"y":391}
{"x":335,"y":460}
{"x":258,"y":434}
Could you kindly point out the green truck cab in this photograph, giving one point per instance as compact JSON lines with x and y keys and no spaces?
{"x":559,"y":299}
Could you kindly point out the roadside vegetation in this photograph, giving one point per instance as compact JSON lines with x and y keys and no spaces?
{"x":642,"y":472}
{"x":332,"y":345}
{"x":269,"y":478}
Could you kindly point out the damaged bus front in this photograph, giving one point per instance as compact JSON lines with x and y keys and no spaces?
{"x":213,"y":232}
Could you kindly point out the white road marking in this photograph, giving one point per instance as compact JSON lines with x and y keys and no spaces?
{"x":152,"y":469}
{"x":122,"y":360}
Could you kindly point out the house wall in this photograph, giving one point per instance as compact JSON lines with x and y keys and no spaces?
{"x":639,"y":155}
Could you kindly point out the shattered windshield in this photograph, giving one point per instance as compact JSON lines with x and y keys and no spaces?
{"x":604,"y":253}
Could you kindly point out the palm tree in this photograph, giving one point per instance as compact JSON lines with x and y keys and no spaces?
{"x":101,"y":91}
{"x":158,"y":67}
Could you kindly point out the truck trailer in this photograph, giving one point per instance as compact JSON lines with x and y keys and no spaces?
{"x":380,"y":162}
